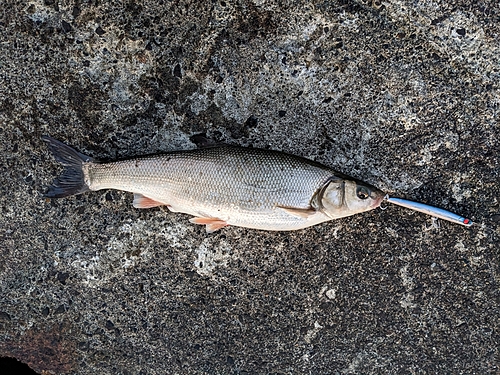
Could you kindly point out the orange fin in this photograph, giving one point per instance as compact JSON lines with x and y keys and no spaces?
{"x":299,"y":212}
{"x":140,"y":201}
{"x":212,"y":223}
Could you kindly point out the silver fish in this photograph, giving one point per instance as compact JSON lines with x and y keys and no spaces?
{"x":221,"y":186}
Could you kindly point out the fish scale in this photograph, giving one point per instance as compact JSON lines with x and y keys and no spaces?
{"x":241,"y":188}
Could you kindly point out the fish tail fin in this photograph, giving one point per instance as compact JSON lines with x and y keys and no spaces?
{"x":72,"y":179}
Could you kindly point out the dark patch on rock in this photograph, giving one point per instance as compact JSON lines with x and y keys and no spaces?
{"x":66,"y":27}
{"x":47,"y":349}
{"x":62,"y":277}
{"x":251,"y":122}
{"x":163,"y":87}
{"x":201,"y":140}
{"x":212,"y":115}
{"x":7,"y":105}
{"x":84,"y":98}
{"x":254,"y":22}
{"x":177,"y":71}
{"x":76,"y":11}
{"x":100,"y":31}
{"x":4,"y":316}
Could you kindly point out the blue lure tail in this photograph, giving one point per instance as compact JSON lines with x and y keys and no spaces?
{"x":72,"y":179}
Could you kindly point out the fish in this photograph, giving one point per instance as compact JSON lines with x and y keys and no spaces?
{"x":222,"y":185}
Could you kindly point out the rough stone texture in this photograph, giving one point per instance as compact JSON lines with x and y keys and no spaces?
{"x":402,"y":94}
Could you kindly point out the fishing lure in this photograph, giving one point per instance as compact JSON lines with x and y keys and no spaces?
{"x":430,"y":210}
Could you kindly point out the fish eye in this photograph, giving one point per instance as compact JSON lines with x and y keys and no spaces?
{"x":362,"y":193}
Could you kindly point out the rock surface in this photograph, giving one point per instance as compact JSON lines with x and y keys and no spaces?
{"x":402,"y":94}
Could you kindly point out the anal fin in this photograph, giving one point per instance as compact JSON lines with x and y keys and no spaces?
{"x":212,"y":223}
{"x":299,"y":212}
{"x":140,"y":201}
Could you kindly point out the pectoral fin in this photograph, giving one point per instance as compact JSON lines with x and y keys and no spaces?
{"x":212,"y":223}
{"x":299,"y":212}
{"x":140,"y":201}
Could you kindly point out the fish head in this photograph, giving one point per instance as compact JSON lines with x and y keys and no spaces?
{"x":344,"y":197}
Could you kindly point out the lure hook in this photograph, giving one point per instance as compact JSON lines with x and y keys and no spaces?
{"x":384,"y":199}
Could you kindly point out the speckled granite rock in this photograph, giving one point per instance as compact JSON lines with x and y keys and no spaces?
{"x":402,"y":94}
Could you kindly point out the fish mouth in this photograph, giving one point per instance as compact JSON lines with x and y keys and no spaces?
{"x":378,"y":197}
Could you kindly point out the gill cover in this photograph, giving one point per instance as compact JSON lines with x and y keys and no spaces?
{"x":342,"y":197}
